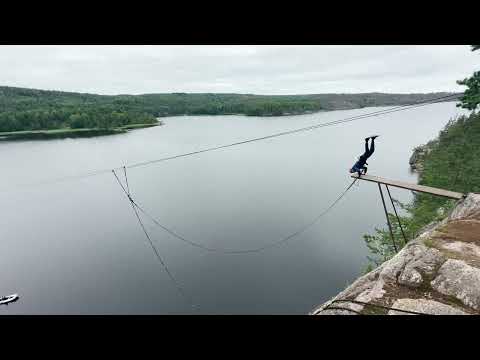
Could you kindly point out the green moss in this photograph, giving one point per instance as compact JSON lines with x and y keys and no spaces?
{"x":373,"y":310}
{"x":428,"y":242}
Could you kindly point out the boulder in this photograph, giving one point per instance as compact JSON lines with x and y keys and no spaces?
{"x":460,"y":280}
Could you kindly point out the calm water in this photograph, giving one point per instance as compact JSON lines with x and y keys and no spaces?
{"x":76,"y":247}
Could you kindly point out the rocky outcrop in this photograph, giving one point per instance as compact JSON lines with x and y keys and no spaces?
{"x":418,"y":156}
{"x":424,"y":306}
{"x":436,"y":273}
{"x":460,"y":280}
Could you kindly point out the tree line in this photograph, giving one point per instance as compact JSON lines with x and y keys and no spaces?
{"x":31,"y":109}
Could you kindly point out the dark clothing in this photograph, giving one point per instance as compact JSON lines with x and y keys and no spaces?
{"x":360,"y":164}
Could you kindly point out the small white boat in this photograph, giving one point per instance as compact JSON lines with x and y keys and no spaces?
{"x":8,"y":299}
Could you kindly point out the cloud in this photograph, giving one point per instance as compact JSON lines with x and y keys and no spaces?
{"x":285,"y":69}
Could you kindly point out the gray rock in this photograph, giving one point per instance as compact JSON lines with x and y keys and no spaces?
{"x":441,"y":211}
{"x":458,"y":279}
{"x":362,"y":285}
{"x":335,"y":312}
{"x":411,"y":277}
{"x":417,"y":157}
{"x":411,"y":264}
{"x":469,"y":208}
{"x":425,"y":261}
{"x":424,"y":306}
{"x":374,"y":292}
{"x":340,"y":308}
{"x":462,"y":248}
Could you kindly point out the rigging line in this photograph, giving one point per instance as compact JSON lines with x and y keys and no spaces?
{"x":120,"y":183}
{"x":379,"y":306}
{"x":358,"y":117}
{"x":164,"y":265}
{"x":270,"y":245}
{"x":126,"y":178}
{"x":342,"y":309}
{"x":66,"y":178}
{"x":335,"y":122}
{"x":288,"y":132}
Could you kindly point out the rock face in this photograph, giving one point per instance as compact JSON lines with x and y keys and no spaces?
{"x":418,"y":155}
{"x":423,"y":306}
{"x":456,"y":278}
{"x":437,"y":273}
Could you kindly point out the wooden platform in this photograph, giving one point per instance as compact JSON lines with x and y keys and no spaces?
{"x":413,"y":187}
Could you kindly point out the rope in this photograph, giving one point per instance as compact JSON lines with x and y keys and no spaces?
{"x":120,"y":183}
{"x":343,"y":309}
{"x":126,"y":179}
{"x":369,"y":304}
{"x":254,"y":250}
{"x":289,"y":132}
{"x":331,"y":123}
{"x":164,"y":265}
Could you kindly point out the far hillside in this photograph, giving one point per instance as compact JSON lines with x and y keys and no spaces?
{"x":29,"y":109}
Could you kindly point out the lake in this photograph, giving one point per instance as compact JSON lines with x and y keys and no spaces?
{"x":75,"y":247}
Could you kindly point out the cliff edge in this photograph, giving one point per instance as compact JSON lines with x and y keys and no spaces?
{"x":437,"y":273}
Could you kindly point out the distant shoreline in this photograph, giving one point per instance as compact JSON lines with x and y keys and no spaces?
{"x":70,"y":133}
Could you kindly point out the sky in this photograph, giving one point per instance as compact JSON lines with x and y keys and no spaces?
{"x":262,"y":69}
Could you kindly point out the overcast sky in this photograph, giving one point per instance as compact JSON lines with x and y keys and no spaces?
{"x":237,"y":69}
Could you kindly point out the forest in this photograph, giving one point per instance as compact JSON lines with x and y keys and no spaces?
{"x":24,"y":109}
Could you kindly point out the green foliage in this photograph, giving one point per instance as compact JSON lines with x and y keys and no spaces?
{"x":29,"y":109}
{"x":454,"y":164}
{"x":471,"y":97}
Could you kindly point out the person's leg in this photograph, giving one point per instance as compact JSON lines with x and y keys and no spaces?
{"x":372,"y":148}
{"x":365,"y":154}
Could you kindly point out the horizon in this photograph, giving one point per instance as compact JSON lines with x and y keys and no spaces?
{"x":233,"y":93}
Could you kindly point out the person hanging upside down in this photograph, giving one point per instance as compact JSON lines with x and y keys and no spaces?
{"x":359,"y":167}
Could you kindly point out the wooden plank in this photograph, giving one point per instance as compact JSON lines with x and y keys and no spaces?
{"x":413,"y":187}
